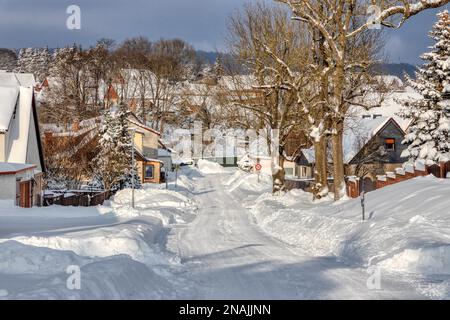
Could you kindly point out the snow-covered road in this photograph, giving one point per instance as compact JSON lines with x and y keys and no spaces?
{"x":203,"y":241}
{"x":227,"y":256}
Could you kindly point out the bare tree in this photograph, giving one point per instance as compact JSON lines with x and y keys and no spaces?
{"x":338,"y":24}
{"x":273,"y":49}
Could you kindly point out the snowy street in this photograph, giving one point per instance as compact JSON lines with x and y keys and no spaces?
{"x":228,"y":257}
{"x":221,"y":235}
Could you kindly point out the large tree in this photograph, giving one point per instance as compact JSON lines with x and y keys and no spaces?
{"x":274,"y":51}
{"x":338,"y":24}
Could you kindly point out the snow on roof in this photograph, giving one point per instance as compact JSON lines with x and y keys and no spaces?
{"x":13,"y":168}
{"x":8,"y":101}
{"x":241,"y":82}
{"x":391,"y":106}
{"x":142,"y":126}
{"x":358,"y":132}
{"x":10,"y":79}
{"x":20,"y":130}
{"x":164,"y":153}
{"x":309,"y":155}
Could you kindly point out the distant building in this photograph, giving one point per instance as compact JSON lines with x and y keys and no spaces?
{"x":146,"y":141}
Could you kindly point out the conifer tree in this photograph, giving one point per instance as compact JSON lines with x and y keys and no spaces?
{"x":113,"y":163}
{"x":428,"y":137}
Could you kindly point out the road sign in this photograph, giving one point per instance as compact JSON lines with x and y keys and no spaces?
{"x":258,"y":167}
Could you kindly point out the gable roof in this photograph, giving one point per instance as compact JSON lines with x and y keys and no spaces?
{"x":8,"y":101}
{"x":368,"y":129}
{"x":357,"y":133}
{"x":133,"y":119}
{"x":17,"y":79}
{"x":17,"y":113}
{"x":7,"y":168}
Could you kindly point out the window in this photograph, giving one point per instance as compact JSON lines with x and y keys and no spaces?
{"x":390,"y":144}
{"x":304,"y":172}
{"x":149,"y":171}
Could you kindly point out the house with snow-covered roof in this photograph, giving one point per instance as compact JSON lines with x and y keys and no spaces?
{"x":21,"y":156}
{"x":147,"y":143}
{"x":372,"y":146}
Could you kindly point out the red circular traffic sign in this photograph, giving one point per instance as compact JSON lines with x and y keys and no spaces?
{"x":258,"y":167}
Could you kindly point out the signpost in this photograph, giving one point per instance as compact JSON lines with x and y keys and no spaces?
{"x":258,"y":168}
{"x":363,"y":205}
{"x":133,"y":133}
{"x":177,"y":168}
{"x":363,"y":199}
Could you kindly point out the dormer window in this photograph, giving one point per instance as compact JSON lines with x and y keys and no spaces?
{"x":389,"y":144}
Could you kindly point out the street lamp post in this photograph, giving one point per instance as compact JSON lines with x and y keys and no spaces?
{"x":133,"y":132}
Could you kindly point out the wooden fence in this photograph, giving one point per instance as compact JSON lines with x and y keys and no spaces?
{"x":78,"y":199}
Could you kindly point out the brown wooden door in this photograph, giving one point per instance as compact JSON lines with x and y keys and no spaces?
{"x":25,"y":194}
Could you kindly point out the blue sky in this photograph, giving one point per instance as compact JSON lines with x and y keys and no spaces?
{"x":25,"y":23}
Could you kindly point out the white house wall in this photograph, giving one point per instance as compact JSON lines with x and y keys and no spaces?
{"x":2,"y":147}
{"x":8,"y":187}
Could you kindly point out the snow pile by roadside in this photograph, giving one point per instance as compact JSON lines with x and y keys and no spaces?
{"x":242,"y":181}
{"x":167,"y":205}
{"x":28,"y":272}
{"x":117,"y":247}
{"x":134,"y":239}
{"x":208,"y":167}
{"x":407,"y":230}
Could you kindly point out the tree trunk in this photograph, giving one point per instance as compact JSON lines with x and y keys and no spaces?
{"x":338,"y":161}
{"x":321,"y":176}
{"x":278,"y":174}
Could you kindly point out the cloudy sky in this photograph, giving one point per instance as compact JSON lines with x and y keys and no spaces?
{"x":25,"y":23}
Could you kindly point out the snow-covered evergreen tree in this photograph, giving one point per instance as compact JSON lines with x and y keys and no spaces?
{"x":8,"y":59}
{"x":428,"y":137}
{"x":113,"y":163}
{"x":36,"y":61}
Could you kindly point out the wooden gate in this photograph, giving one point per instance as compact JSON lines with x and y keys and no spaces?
{"x":25,"y":194}
{"x":367,"y":185}
{"x":435,"y":170}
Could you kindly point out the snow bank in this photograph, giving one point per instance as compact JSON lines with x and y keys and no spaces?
{"x":208,"y":167}
{"x":16,"y":258}
{"x":28,"y":272}
{"x":167,"y":205}
{"x":133,"y":239}
{"x":407,"y":228}
{"x":118,"y":248}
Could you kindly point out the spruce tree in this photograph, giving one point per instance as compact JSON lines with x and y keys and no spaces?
{"x":113,"y":162}
{"x":428,"y":137}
